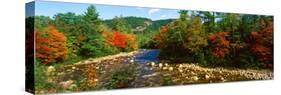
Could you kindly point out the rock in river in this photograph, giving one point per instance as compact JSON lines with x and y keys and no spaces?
{"x":207,"y":76}
{"x":160,"y":65}
{"x":67,"y":84}
{"x":171,"y":68}
{"x":50,"y":69}
{"x":195,"y":78}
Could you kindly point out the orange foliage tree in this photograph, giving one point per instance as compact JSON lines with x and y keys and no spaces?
{"x":161,"y":37}
{"x":119,"y":40}
{"x":262,"y":43}
{"x":51,"y":45}
{"x":132,"y":42}
{"x":108,"y":37}
{"x":220,"y":44}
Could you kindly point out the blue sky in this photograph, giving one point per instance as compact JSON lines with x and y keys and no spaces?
{"x":45,"y":8}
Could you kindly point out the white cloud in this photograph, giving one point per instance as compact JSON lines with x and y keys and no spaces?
{"x":163,"y":16}
{"x":151,"y":11}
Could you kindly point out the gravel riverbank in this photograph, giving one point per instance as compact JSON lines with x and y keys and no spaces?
{"x":152,"y":74}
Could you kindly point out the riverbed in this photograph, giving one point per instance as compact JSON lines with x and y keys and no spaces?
{"x":150,"y":72}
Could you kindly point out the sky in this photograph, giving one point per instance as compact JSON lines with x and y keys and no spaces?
{"x":45,"y":8}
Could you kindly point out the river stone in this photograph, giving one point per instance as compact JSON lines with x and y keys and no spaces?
{"x":152,"y":64}
{"x":192,"y":73}
{"x":166,"y":75}
{"x":180,"y":66}
{"x":176,"y":80}
{"x":73,"y":67}
{"x":171,"y":68}
{"x":61,"y":74}
{"x":66,"y":84}
{"x":150,"y":75}
{"x":160,"y":65}
{"x":180,"y":70}
{"x":165,"y":68}
{"x":87,"y":62}
{"x":222,"y":79}
{"x":195,"y":78}
{"x":207,"y":76}
{"x":132,"y":61}
{"x":51,"y":69}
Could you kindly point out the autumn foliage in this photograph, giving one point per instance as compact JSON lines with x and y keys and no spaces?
{"x":119,"y":40}
{"x":161,"y":37}
{"x":50,"y":45}
{"x":220,"y":44}
{"x":91,"y":77}
{"x":132,"y":41}
{"x":262,"y":43}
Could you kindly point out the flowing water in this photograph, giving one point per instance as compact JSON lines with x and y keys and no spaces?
{"x":143,"y":57}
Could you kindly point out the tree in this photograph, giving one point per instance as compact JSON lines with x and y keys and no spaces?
{"x":183,"y":15}
{"x":209,"y":20}
{"x":195,"y":38}
{"x":51,"y":46}
{"x":230,"y":22}
{"x":92,"y":44}
{"x":183,"y":38}
{"x":262,"y":43}
{"x":120,"y":25}
{"x":41,"y":22}
{"x":171,"y":37}
{"x":220,"y":45}
{"x":71,"y":25}
{"x":132,"y":43}
{"x":161,"y":38}
{"x":91,"y":16}
{"x":119,"y":40}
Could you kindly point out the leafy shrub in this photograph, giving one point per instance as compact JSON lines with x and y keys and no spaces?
{"x":45,"y":81}
{"x":91,"y":78}
{"x":120,"y":76}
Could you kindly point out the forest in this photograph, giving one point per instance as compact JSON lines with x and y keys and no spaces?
{"x":80,"y":52}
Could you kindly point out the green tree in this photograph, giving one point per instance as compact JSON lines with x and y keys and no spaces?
{"x":93,"y":42}
{"x":41,"y":22}
{"x":71,"y":25}
{"x":119,"y":24}
{"x":184,"y":38}
{"x":179,"y":28}
{"x":209,"y":20}
{"x":230,"y":22}
{"x":195,"y":38}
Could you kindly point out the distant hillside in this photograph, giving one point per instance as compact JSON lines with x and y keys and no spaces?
{"x":163,"y":22}
{"x":141,"y":23}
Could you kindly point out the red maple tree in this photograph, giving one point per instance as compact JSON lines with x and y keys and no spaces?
{"x":220,"y":44}
{"x":262,"y":43}
{"x":119,"y":40}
